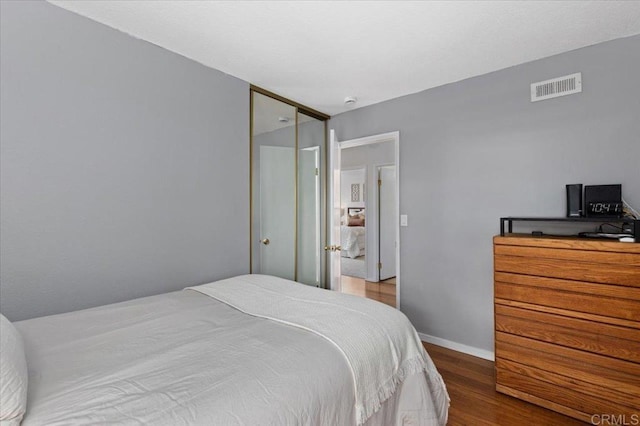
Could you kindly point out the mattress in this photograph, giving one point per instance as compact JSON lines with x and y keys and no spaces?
{"x":184,"y":358}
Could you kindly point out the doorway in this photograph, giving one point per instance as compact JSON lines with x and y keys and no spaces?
{"x":353,"y":206}
{"x":377,"y":212}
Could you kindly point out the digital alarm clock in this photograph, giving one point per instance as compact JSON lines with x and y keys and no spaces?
{"x":597,"y":208}
{"x":603,"y":200}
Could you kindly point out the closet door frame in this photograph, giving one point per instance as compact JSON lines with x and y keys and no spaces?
{"x":299,"y":109}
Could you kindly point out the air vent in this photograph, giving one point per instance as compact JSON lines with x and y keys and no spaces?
{"x":561,"y":86}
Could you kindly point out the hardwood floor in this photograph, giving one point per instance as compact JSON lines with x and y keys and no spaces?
{"x":474,"y":401}
{"x":384,"y":291}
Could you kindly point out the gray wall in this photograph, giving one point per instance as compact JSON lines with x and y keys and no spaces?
{"x":124,"y":166}
{"x":476,"y":150}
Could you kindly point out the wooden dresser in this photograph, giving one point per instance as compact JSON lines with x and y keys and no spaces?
{"x":567,"y":324}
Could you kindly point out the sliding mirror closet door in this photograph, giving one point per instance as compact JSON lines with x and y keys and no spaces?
{"x":273,"y":220}
{"x":287,"y":190}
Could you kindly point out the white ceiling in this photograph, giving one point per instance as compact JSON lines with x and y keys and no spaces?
{"x":319,"y":52}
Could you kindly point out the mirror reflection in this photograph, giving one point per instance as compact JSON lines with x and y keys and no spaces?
{"x":287,"y":157}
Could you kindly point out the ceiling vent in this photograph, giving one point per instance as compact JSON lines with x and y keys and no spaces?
{"x":561,"y":86}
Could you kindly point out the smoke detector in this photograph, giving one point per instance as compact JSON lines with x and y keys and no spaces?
{"x":350,"y":100}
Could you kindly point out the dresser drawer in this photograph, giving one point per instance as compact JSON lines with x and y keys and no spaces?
{"x":618,"y":274}
{"x":590,"y":256}
{"x":560,"y":390}
{"x":610,"y":374}
{"x":594,"y":299}
{"x":604,"y":339}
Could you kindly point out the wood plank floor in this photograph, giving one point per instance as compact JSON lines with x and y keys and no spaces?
{"x":384,"y":291}
{"x":474,"y":401}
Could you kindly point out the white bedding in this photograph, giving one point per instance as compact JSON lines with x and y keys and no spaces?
{"x":352,"y":240}
{"x":380,"y":345}
{"x":185,"y":358}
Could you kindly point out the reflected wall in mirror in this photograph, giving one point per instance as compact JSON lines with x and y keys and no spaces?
{"x":273,"y":187}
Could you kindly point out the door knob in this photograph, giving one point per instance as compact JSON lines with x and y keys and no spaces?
{"x":338,"y":248}
{"x":332,"y":248}
{"x":265,"y":241}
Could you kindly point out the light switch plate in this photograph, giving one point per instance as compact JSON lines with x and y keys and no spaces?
{"x":404,"y":221}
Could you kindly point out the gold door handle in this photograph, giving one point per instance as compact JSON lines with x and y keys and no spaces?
{"x":265,"y":241}
{"x":332,"y":248}
{"x":338,"y":248}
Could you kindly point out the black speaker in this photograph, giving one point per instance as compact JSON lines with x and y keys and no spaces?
{"x":574,"y":200}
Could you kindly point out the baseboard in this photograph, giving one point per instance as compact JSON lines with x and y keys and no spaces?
{"x":470,"y":350}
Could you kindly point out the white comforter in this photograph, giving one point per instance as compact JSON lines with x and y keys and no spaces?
{"x":380,"y":344}
{"x":352,"y":240}
{"x":184,"y":358}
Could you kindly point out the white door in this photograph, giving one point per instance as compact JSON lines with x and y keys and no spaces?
{"x":309,"y":250}
{"x":277,"y":211}
{"x":333,"y":245}
{"x":387,"y":221}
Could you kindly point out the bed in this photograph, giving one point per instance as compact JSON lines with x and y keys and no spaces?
{"x":248,"y":350}
{"x":352,"y":233}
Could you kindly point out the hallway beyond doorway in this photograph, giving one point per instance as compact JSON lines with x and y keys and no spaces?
{"x":383,"y":291}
